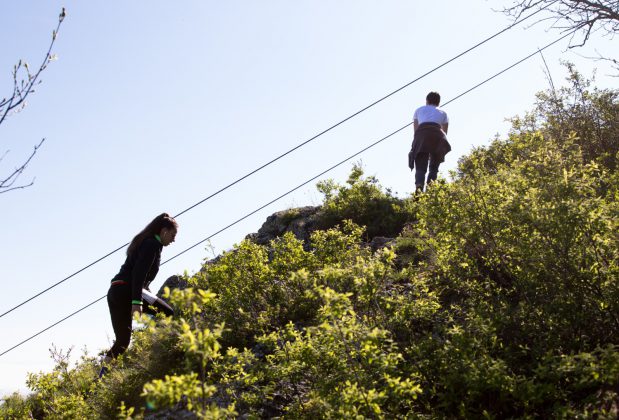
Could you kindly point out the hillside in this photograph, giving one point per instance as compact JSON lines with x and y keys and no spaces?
{"x":493,"y":295}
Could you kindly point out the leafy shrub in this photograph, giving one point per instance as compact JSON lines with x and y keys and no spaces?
{"x":59,"y":394}
{"x":346,"y":368}
{"x":202,"y":351}
{"x":589,"y":115}
{"x":499,"y":300}
{"x":365,"y":203}
{"x":15,"y":406}
{"x":522,"y":247}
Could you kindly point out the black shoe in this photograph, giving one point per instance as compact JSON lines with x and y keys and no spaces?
{"x":103,"y":371}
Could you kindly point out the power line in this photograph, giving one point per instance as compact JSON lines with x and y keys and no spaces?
{"x":63,"y":280}
{"x":51,"y":326}
{"x":376,"y":102}
{"x":288,"y":152}
{"x":512,"y":66}
{"x":313,"y":178}
{"x":221,"y":230}
{"x":290,"y":191}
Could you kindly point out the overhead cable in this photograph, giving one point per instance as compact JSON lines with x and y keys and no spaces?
{"x":313,"y":178}
{"x":288,"y":152}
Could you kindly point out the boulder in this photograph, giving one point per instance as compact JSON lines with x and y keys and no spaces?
{"x":300,"y":221}
{"x":173,"y":282}
{"x":380,"y":242}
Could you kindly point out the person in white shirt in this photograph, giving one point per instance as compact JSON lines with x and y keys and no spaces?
{"x":430,"y":143}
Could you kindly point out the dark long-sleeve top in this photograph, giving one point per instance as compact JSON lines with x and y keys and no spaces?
{"x":429,"y":138}
{"x":141,"y":267}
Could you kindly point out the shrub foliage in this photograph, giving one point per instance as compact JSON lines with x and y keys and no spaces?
{"x":499,"y":299}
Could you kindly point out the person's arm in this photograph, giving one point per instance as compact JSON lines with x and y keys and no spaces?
{"x":147,"y":253}
{"x":445,"y":123}
{"x":416,"y":120}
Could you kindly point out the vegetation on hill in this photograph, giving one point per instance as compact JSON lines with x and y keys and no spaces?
{"x":499,"y":299}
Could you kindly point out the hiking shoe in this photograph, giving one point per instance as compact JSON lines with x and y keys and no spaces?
{"x":103,"y":371}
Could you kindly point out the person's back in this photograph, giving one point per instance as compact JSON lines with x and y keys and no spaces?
{"x":430,"y":143}
{"x":431,"y":114}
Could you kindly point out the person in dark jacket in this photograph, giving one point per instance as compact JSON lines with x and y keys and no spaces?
{"x":124,"y":297}
{"x":430,"y":143}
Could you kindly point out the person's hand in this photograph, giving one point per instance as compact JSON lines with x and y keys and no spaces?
{"x":136,"y":308}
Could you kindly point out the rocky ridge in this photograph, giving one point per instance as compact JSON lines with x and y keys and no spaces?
{"x":301,"y":221}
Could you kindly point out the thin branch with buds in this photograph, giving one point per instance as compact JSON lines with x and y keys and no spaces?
{"x":23,"y":86}
{"x":568,"y":15}
{"x":6,"y":184}
{"x":614,"y":62}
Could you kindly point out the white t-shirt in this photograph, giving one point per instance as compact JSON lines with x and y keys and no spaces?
{"x":430,"y":113}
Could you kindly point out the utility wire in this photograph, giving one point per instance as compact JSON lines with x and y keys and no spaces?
{"x":290,"y":151}
{"x":51,"y":326}
{"x":313,"y":178}
{"x":539,"y":51}
{"x":63,"y":280}
{"x":290,"y":191}
{"x":223,"y":229}
{"x":376,"y":102}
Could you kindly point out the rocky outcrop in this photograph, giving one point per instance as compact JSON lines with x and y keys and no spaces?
{"x":380,"y":242}
{"x":301,"y":222}
{"x":173,"y":282}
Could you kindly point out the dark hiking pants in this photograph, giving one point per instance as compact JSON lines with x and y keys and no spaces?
{"x":119,"y":301}
{"x":421,"y":167}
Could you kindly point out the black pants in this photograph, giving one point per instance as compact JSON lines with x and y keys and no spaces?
{"x":421,"y":165}
{"x":119,"y":301}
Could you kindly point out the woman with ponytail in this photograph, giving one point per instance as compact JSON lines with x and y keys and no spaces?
{"x":140,"y":268}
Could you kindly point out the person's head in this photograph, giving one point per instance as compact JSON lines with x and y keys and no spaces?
{"x":168,"y":234}
{"x":163,"y":225}
{"x":433,"y":98}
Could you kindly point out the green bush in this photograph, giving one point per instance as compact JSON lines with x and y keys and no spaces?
{"x":499,"y":299}
{"x":15,"y":406}
{"x":59,"y":394}
{"x":345,"y":367}
{"x":364,"y":202}
{"x":522,"y":248}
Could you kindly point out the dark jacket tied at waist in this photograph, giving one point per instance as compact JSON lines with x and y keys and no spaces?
{"x":429,"y":138}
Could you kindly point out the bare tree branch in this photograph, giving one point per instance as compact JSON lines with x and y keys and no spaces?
{"x":23,"y":85}
{"x":19,"y":187}
{"x":4,"y":155}
{"x":548,"y":75}
{"x":614,"y":62}
{"x":6,"y":184}
{"x":587,"y":15}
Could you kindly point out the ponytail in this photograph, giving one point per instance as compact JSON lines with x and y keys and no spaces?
{"x":164,"y":220}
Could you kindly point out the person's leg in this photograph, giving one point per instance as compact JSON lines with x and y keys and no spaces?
{"x":433,"y":170}
{"x":119,"y":301}
{"x":421,"y":166}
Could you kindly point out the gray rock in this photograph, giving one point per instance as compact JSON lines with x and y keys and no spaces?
{"x":380,"y":242}
{"x":173,"y":282}
{"x":300,"y":221}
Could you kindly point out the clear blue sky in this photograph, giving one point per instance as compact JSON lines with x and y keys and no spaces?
{"x":154,"y":105}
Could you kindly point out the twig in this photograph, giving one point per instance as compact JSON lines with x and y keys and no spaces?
{"x":21,"y":93}
{"x":6,"y":184}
